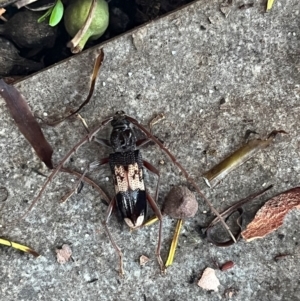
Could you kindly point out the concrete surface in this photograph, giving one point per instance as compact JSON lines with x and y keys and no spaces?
{"x":185,"y":66}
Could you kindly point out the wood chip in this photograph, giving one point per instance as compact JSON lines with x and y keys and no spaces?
{"x":143,"y":260}
{"x":2,"y":11}
{"x":270,"y":217}
{"x":64,"y":254}
{"x":209,"y":280}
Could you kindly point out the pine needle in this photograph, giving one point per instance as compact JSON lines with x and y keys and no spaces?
{"x":17,"y":246}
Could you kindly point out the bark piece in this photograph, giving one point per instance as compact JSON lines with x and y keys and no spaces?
{"x":270,"y":217}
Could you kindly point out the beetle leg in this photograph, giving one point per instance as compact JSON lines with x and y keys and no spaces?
{"x":157,"y":212}
{"x":142,"y":142}
{"x":110,"y":208}
{"x":90,"y":182}
{"x":104,"y":142}
{"x":84,"y":140}
{"x":154,"y":170}
{"x":90,"y":167}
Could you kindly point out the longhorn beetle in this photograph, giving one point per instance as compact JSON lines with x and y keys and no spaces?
{"x":126,"y":164}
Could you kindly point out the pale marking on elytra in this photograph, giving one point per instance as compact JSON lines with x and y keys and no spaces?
{"x":138,"y":223}
{"x":133,"y":179}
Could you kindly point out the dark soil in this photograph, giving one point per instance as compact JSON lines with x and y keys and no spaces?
{"x":124,"y":15}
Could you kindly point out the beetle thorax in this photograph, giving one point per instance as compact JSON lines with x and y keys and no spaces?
{"x":122,"y":138}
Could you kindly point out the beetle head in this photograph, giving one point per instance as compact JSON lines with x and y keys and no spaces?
{"x":122,"y":138}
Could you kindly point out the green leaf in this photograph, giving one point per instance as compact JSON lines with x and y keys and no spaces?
{"x":57,"y":13}
{"x":45,"y":15}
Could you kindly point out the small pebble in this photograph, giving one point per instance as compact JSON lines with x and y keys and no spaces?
{"x":64,"y":254}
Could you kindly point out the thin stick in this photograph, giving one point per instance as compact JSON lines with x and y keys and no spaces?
{"x":73,"y":44}
{"x":17,"y":246}
{"x":174,"y":243}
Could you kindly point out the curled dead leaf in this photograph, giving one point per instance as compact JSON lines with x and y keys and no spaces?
{"x":26,"y":122}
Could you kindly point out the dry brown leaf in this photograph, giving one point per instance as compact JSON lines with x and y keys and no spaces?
{"x":270,"y":217}
{"x":209,"y":280}
{"x":64,"y":254}
{"x":26,"y":122}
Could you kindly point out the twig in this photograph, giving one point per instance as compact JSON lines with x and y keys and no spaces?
{"x":73,"y":44}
